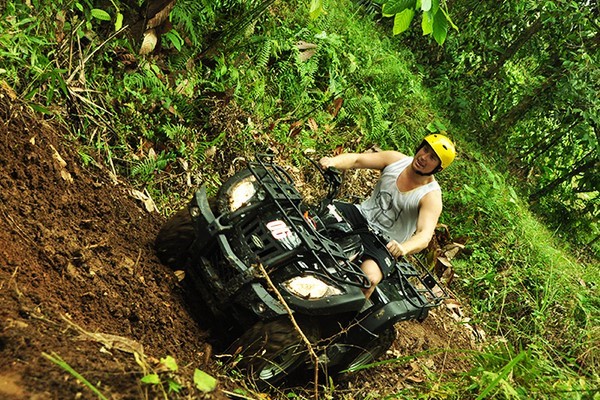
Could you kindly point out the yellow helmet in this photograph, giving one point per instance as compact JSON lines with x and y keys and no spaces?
{"x":443,"y":148}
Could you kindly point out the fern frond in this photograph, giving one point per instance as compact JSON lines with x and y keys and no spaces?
{"x":264,"y":54}
{"x":146,"y":168}
{"x":175,"y":132}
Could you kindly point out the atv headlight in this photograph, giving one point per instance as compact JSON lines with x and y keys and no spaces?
{"x":310,"y":288}
{"x":241,"y":194}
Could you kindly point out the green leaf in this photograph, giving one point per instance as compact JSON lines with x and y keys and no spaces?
{"x":169,"y":362}
{"x":426,"y":5}
{"x":175,"y":39}
{"x":119,"y":22}
{"x":204,"y":382}
{"x":397,"y":6}
{"x":40,"y":109}
{"x":151,"y":379}
{"x":316,"y":9}
{"x":440,"y":28}
{"x":402,"y":20}
{"x":174,"y":386}
{"x":100,"y":14}
{"x":427,"y":23}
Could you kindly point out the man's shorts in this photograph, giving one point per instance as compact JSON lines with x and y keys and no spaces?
{"x":375,"y":247}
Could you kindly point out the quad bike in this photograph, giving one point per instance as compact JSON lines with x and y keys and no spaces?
{"x":257,"y":222}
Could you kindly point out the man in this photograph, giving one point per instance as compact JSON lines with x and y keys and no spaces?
{"x":405,"y":204}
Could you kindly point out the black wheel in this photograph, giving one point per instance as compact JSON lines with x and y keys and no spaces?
{"x":372,"y":350}
{"x":237,"y":191}
{"x":174,"y":239}
{"x":272,"y":350}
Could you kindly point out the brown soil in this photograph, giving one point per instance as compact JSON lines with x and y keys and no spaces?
{"x":79,"y":281}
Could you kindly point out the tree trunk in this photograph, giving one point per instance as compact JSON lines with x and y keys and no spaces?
{"x":594,"y":240}
{"x":503,"y":123}
{"x":593,"y":163}
{"x":523,"y":38}
{"x":540,"y":148}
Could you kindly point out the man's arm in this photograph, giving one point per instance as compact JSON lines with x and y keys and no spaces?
{"x":430,"y":210}
{"x":378,"y":160}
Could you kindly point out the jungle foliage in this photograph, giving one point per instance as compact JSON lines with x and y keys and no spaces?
{"x":516,"y":85}
{"x":523,"y":78}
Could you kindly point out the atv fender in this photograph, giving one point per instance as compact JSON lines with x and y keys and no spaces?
{"x":209,"y":226}
{"x":391,"y":313}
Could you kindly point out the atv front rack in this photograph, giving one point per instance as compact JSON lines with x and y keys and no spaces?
{"x":279,"y":188}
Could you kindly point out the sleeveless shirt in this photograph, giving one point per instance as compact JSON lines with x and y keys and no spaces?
{"x":390,"y":211}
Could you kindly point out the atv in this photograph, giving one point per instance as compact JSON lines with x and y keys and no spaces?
{"x":281,"y":275}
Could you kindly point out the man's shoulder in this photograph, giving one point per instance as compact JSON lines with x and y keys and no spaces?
{"x":390,"y":157}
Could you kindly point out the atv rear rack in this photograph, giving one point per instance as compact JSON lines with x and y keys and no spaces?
{"x":419,"y":280}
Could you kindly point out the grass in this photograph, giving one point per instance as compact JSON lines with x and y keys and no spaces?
{"x":174,"y":121}
{"x":56,"y":359}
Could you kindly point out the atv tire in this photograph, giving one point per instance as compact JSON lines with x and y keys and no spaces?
{"x":371,"y":351}
{"x":272,"y":350}
{"x":174,"y":239}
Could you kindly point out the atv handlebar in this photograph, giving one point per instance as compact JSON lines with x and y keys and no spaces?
{"x":332,"y":177}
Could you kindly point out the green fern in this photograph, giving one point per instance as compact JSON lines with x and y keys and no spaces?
{"x":263,"y":54}
{"x":175,"y":132}
{"x":146,"y":168}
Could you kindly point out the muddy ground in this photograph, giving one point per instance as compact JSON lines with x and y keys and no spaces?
{"x":79,"y":282}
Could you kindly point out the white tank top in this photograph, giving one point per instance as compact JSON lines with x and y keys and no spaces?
{"x":390,"y":211}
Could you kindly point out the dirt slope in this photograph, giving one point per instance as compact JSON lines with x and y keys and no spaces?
{"x":75,"y":251}
{"x":79,"y":281}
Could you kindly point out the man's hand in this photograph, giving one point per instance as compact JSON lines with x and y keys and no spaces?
{"x":326,"y":162}
{"x":396,"y":249}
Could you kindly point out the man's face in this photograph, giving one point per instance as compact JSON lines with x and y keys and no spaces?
{"x":426,"y":161}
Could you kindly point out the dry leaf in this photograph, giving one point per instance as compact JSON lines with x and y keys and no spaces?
{"x":180,"y":275}
{"x":144,"y":198}
{"x":302,"y":45}
{"x":210,"y":152}
{"x":453,"y":306}
{"x":414,"y":379}
{"x":313,"y":125}
{"x":58,"y":158}
{"x":445,"y":262}
{"x":337,"y":105}
{"x":296,"y":128}
{"x":62,"y":164}
{"x":307,"y":50}
{"x":451,"y":250}
{"x":149,"y":42}
{"x":9,"y":91}
{"x":108,"y":340}
{"x":306,"y":55}
{"x":479,"y":333}
{"x":60,"y":20}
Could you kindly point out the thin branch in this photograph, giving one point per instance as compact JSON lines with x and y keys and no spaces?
{"x":311,"y":351}
{"x":85,"y":60}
